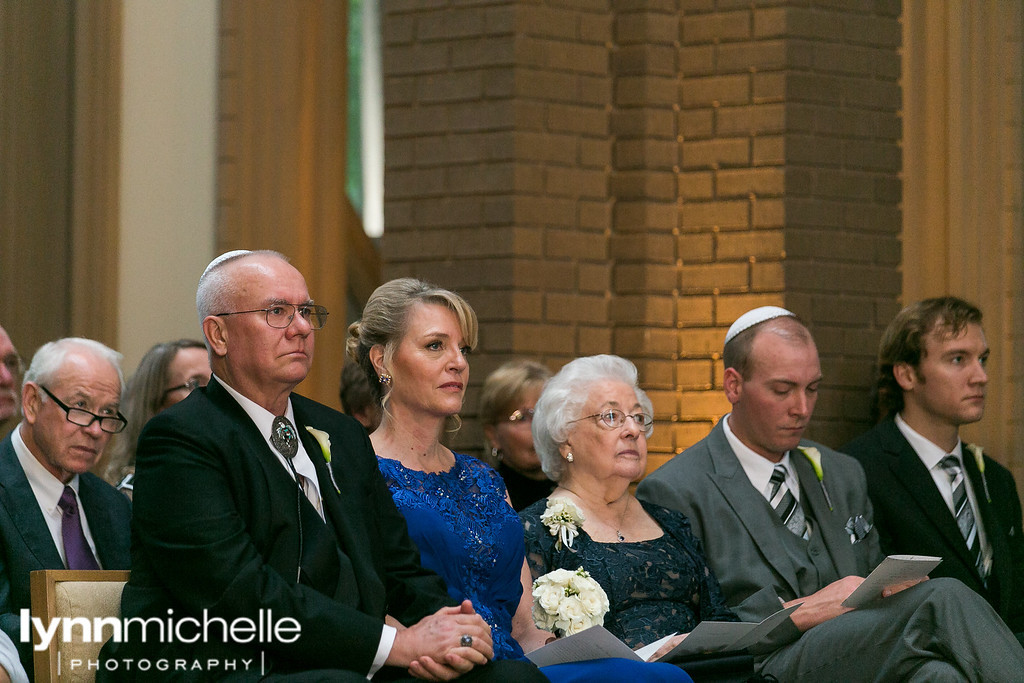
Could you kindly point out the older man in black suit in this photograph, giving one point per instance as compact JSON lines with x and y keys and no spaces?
{"x":933,"y":494}
{"x":54,"y":514}
{"x":240,"y":517}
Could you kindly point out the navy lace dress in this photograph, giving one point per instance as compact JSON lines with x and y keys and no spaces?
{"x":472,"y":538}
{"x":654,"y":587}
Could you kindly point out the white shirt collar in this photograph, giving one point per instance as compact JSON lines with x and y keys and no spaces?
{"x":47,"y":488}
{"x":264,"y":421}
{"x":757,"y":467}
{"x":929,"y":453}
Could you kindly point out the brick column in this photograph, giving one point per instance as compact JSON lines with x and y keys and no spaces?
{"x":629,"y":176}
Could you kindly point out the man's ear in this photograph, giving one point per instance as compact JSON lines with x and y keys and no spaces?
{"x":732,"y":382}
{"x":377,"y":358}
{"x":905,"y":375}
{"x":216,"y":332}
{"x":31,"y":402}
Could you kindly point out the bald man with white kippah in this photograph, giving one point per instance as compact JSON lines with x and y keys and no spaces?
{"x":786,"y":521}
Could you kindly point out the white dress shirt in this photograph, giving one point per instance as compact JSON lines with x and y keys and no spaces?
{"x":48,"y":489}
{"x":759,"y":468}
{"x":264,"y":420}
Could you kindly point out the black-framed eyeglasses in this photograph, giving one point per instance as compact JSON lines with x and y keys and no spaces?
{"x":614,"y":418}
{"x":189,"y":386}
{"x":111,"y":424}
{"x":281,"y":315}
{"x":521,"y":415}
{"x":13,"y":363}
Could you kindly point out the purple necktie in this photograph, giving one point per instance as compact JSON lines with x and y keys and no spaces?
{"x":76,"y":548}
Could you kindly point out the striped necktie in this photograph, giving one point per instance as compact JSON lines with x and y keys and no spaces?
{"x":786,"y":506}
{"x":962,"y":509}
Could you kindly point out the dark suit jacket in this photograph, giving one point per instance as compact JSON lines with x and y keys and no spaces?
{"x":216,"y":528}
{"x":912,"y":517}
{"x":741,"y":533}
{"x":26,"y":544}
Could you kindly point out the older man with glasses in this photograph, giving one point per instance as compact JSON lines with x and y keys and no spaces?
{"x":54,"y":514}
{"x":255,"y":504}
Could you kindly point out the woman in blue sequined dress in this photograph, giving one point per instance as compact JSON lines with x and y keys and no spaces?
{"x":413,"y":341}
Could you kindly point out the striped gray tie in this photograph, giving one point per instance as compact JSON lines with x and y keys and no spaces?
{"x":962,"y":509}
{"x":786,"y":506}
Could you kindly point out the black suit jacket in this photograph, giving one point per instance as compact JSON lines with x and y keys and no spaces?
{"x":216,"y":528}
{"x":912,"y":517}
{"x":26,"y":544}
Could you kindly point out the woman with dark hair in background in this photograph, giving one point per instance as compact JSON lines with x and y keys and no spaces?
{"x":166,"y":374}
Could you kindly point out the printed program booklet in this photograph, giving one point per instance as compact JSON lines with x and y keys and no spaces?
{"x":892,"y":570}
{"x":597,"y":642}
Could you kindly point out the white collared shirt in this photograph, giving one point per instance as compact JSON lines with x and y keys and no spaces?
{"x":47,"y":490}
{"x":264,"y":421}
{"x":931,"y":455}
{"x":759,"y":468}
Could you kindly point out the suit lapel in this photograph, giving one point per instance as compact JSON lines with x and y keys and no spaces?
{"x":813,"y":499}
{"x":749,"y":506}
{"x":990,"y":521}
{"x":16,"y":495}
{"x":101,"y":525}
{"x":911,"y":473}
{"x":340,"y":505}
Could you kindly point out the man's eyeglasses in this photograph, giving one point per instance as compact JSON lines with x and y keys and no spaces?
{"x":281,"y":315}
{"x":613,"y":419}
{"x":521,"y":415}
{"x":111,"y":424}
{"x":188,"y":386}
{"x":12,"y":362}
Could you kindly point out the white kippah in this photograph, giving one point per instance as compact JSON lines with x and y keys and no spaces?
{"x":754,"y":317}
{"x":222,"y":258}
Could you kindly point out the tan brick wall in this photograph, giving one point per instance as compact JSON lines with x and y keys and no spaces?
{"x":645,"y":171}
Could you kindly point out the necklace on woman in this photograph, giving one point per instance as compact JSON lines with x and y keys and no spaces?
{"x":622,"y":517}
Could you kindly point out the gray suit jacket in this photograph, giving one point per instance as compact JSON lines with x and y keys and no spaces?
{"x":742,"y":534}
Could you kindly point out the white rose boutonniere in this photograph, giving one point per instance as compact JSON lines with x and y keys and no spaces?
{"x":979,"y":459}
{"x":563,"y":520}
{"x":814,"y":456}
{"x":567,"y":602}
{"x":324,"y":439}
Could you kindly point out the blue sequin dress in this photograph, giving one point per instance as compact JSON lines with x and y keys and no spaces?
{"x":467,"y":533}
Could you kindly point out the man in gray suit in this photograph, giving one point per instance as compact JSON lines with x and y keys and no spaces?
{"x":785,"y":521}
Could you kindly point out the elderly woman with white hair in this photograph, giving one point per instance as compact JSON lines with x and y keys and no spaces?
{"x":590,"y":429}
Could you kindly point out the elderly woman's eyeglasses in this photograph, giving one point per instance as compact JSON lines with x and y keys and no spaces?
{"x":281,"y":315}
{"x":521,"y":415}
{"x":111,"y":424}
{"x":188,"y":386}
{"x":613,"y":419}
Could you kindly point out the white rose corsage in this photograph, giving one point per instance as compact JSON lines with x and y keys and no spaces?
{"x":563,"y":520}
{"x":567,"y":602}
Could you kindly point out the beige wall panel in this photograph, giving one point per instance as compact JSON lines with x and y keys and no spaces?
{"x":35,"y":162}
{"x":281,"y":155}
{"x":167,"y":209}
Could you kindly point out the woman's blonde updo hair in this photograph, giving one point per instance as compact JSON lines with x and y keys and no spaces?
{"x":385,"y":319}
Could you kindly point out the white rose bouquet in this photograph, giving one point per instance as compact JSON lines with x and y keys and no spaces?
{"x":567,"y":602}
